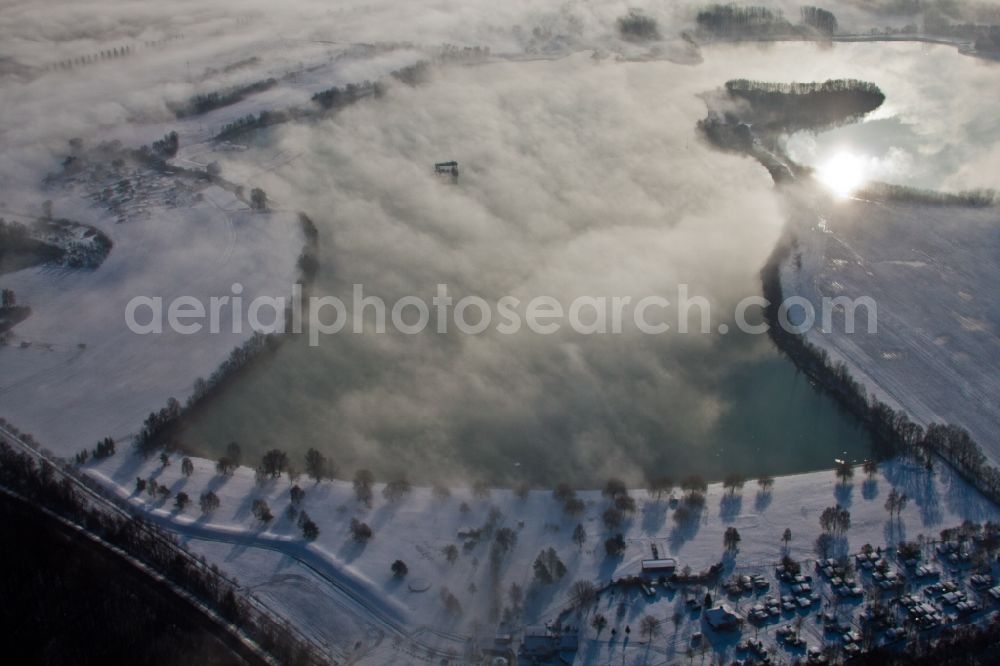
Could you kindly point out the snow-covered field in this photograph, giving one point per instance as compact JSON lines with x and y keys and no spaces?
{"x":287,"y":572}
{"x":73,"y":372}
{"x":931,"y":272}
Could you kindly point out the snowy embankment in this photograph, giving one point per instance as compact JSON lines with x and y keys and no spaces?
{"x":417,"y":528}
{"x":930,"y":270}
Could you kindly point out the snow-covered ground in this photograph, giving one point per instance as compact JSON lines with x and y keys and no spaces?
{"x":288,"y":573}
{"x":73,"y":372}
{"x":931,"y":272}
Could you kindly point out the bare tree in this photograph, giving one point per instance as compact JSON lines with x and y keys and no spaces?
{"x":209,"y":502}
{"x":613,"y":488}
{"x":895,"y":503}
{"x":579,"y":535}
{"x":318,"y":467}
{"x":583,"y":593}
{"x":396,"y":489}
{"x":650,"y":626}
{"x":844,"y":472}
{"x":612,"y":518}
{"x":659,"y":485}
{"x":871,"y":468}
{"x":733,"y":482}
{"x":363,"y":481}
{"x":273,"y":463}
{"x":262,"y":511}
{"x":574,"y":506}
{"x":360,"y":531}
{"x":693,"y":484}
{"x":731,"y":538}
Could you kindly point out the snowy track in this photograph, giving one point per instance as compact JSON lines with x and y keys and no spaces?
{"x":387,"y":615}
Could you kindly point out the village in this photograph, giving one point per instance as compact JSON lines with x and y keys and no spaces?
{"x":818,"y":611}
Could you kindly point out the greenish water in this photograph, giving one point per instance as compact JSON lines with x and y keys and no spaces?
{"x":771,"y":420}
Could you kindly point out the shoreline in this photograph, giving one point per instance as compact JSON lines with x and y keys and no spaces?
{"x":837,"y":381}
{"x":259,"y":346}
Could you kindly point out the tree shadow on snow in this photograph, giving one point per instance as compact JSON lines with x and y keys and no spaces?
{"x":762,"y":500}
{"x":351,"y":549}
{"x":684,"y":531}
{"x":383,"y":514}
{"x":608,"y":565}
{"x":178,"y":485}
{"x":217,"y":482}
{"x":964,"y":500}
{"x":844,"y":492}
{"x":730,"y":506}
{"x":894,"y":532}
{"x":537,"y":600}
{"x":246,"y":505}
{"x":918,"y":485}
{"x":654,"y":514}
{"x":129,"y":469}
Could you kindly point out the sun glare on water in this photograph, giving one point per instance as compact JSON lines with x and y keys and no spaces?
{"x":843,"y":173}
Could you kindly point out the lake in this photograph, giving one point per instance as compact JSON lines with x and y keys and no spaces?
{"x":579,"y":178}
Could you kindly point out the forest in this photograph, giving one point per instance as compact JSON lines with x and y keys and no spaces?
{"x":89,"y":607}
{"x":71,"y":501}
{"x":205,"y":102}
{"x":788,"y":107}
{"x":734,"y":21}
{"x":905,"y":194}
{"x":766,"y":110}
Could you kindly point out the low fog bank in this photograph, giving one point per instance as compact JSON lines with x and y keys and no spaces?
{"x":180,"y":48}
{"x":577,"y":179}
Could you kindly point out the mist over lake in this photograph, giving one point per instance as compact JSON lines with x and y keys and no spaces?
{"x":617,"y":196}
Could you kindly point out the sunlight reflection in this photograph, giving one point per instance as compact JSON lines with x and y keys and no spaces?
{"x":843,"y":173}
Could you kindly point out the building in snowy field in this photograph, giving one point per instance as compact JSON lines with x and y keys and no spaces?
{"x":664,"y":565}
{"x":543,"y":644}
{"x":497,"y":646}
{"x":722,"y":618}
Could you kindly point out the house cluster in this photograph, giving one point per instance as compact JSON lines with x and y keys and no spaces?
{"x":876,"y":597}
{"x":848,"y":625}
{"x":132,"y":193}
{"x":842,"y":583}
